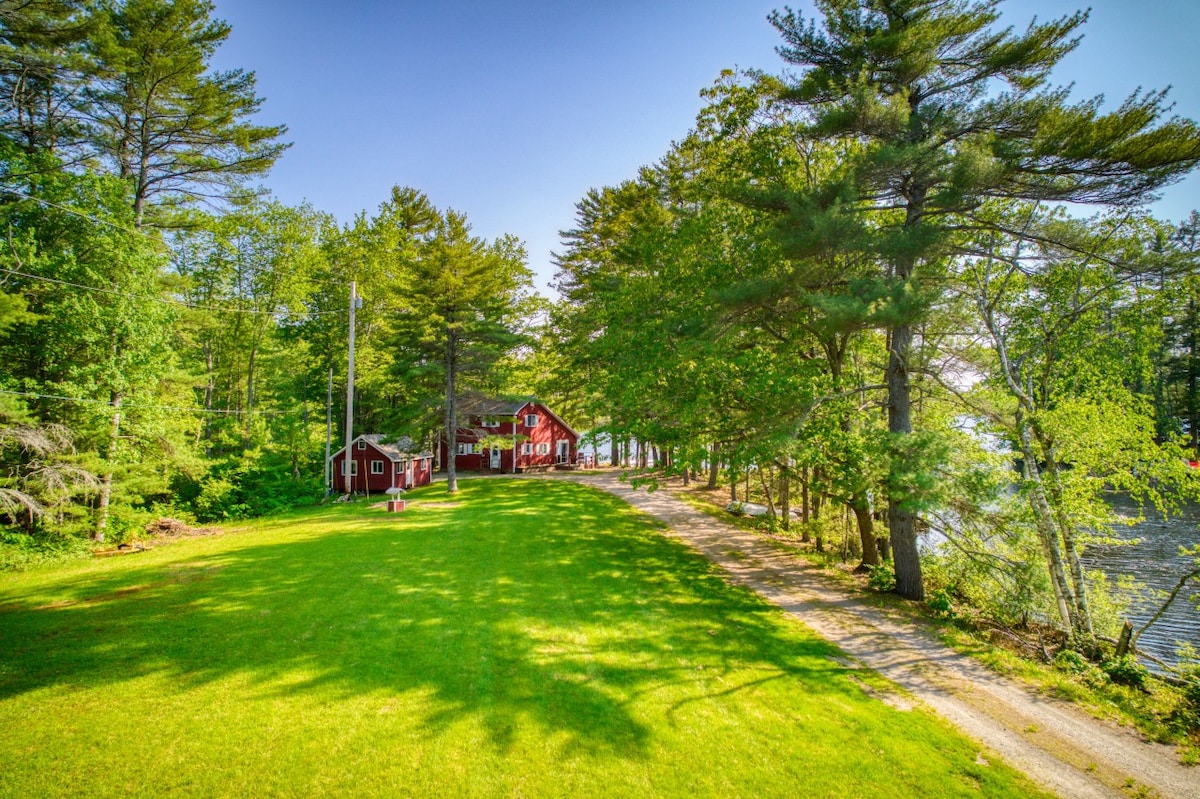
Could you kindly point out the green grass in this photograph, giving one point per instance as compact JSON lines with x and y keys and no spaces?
{"x":535,"y":638}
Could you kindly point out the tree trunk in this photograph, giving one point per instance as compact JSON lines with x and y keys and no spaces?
{"x":248,"y":420}
{"x":714,"y":467}
{"x":1083,"y":615}
{"x":902,"y":522}
{"x":451,"y":411}
{"x":210,"y":386}
{"x":1042,"y":514}
{"x":110,"y":459}
{"x":805,"y":535}
{"x":766,"y":486}
{"x":785,"y":498}
{"x":866,"y":529}
{"x":1044,"y":520}
{"x":816,"y":517}
{"x":1192,"y":398}
{"x":884,"y":545}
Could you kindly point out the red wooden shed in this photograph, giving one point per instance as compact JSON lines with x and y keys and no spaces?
{"x":376,"y":466}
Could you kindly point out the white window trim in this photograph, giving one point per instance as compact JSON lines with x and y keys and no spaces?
{"x":543,"y":448}
{"x":362,"y":445}
{"x":376,"y":467}
{"x":353,"y":467}
{"x":489,"y":423}
{"x":532,"y":416}
{"x":527,"y":449}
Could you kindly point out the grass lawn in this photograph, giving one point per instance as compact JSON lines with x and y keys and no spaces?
{"x":523,"y":638}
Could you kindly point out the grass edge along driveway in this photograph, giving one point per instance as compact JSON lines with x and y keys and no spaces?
{"x":521,"y":638}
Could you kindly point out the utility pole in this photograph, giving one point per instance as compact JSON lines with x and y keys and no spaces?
{"x":355,"y":303}
{"x":329,"y":434}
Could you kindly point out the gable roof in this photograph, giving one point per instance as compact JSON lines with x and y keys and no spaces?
{"x":494,"y":407}
{"x":546,"y":408}
{"x":400,"y":449}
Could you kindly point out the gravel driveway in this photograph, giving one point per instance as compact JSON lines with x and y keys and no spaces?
{"x":1060,"y":747}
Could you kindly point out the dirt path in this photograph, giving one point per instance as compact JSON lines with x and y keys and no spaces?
{"x":1060,"y":747}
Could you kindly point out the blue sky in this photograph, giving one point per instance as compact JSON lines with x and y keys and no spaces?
{"x":510,"y":112}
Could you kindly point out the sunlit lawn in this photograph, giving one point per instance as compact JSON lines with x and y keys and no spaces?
{"x":537,"y":638}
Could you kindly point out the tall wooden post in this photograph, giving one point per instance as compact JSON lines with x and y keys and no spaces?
{"x":329,"y":434}
{"x":346,"y":469}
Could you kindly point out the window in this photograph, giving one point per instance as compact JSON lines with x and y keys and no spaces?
{"x":362,"y":445}
{"x":527,"y":449}
{"x":531,"y":420}
{"x":353,"y":468}
{"x":376,"y":467}
{"x":466,"y":449}
{"x":490,"y":423}
{"x":543,"y":449}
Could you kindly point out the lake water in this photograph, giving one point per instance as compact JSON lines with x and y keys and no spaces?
{"x":1155,"y":561}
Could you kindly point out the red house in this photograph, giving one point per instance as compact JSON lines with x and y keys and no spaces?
{"x":534,"y":438}
{"x":375,"y":466}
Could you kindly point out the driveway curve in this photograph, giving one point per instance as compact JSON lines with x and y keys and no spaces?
{"x":1057,"y":745}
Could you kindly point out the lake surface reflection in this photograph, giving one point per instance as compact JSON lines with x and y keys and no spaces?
{"x":1155,"y":561}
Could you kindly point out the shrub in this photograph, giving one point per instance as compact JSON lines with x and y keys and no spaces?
{"x":881,"y":578}
{"x":19,"y":551}
{"x":1185,"y":717}
{"x":125,"y":524}
{"x":1078,"y":666}
{"x":940,"y":603}
{"x":1072,"y":662}
{"x":768,"y":524}
{"x":1125,"y":670}
{"x":218,"y":500}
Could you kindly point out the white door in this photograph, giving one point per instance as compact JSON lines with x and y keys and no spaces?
{"x":564,"y":451}
{"x":495,"y":458}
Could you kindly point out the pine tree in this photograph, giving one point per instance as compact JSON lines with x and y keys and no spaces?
{"x":167,"y":123}
{"x":939,"y":112}
{"x":43,"y":66}
{"x":455,"y":312}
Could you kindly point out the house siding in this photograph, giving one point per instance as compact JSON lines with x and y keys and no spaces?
{"x":422,"y":471}
{"x":393,"y":471}
{"x":549,"y":430}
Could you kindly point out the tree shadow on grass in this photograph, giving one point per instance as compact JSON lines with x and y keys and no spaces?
{"x":528,"y":602}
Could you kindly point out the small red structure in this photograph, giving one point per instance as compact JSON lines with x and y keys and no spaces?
{"x":513,"y":436}
{"x":376,"y":467}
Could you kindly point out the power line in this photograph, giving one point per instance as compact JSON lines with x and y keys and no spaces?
{"x":222,"y":242}
{"x":167,"y":300}
{"x":142,"y":406}
{"x":73,"y":211}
